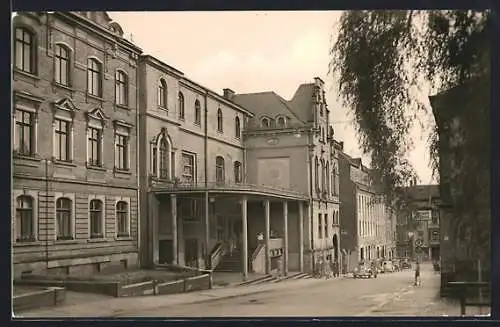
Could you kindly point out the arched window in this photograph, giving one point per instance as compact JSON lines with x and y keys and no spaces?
{"x":121,"y":88}
{"x":181,"y":105}
{"x":96,"y":219}
{"x":63,"y":219}
{"x":25,"y":231}
{"x":316,"y":175}
{"x":162,"y":94}
{"x":327,"y":180}
{"x":323,"y":175}
{"x":164,"y":153}
{"x":220,"y":126}
{"x":281,"y":122}
{"x":237,"y":128}
{"x":219,"y":169}
{"x":264,"y":123}
{"x":61,"y":65}
{"x":25,"y":51}
{"x":237,"y":172}
{"x":122,"y":229}
{"x":197,"y":112}
{"x":334,"y":181}
{"x":94,"y":77}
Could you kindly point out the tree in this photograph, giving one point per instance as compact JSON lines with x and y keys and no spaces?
{"x":381,"y":59}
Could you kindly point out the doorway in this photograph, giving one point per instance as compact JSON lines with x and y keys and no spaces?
{"x":165,"y":252}
{"x":335,"y":242}
{"x":191,"y":252}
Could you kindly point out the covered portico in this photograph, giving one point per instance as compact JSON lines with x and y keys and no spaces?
{"x":224,"y":217}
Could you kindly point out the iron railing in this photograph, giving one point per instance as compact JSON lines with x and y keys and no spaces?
{"x":226,"y":186}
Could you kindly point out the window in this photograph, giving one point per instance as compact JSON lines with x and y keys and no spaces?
{"x":96,"y":219}
{"x":25,"y":125}
{"x":281,"y":122}
{"x":94,"y":147}
{"x":237,"y":172}
{"x":122,"y":229}
{"x":188,"y":165}
{"x":197,"y":112}
{"x":219,"y":169}
{"x":325,"y":216}
{"x":63,"y":219}
{"x":264,"y":122}
{"x":181,"y":106}
{"x":24,"y":219}
{"x":237,"y":128}
{"x":220,"y":127}
{"x":162,"y":94}
{"x":25,"y":51}
{"x":61,"y":69}
{"x":164,"y":153}
{"x":121,"y":152}
{"x":326,"y":178}
{"x":320,"y":226}
{"x":121,"y":88}
{"x":94,"y":78}
{"x":62,"y":140}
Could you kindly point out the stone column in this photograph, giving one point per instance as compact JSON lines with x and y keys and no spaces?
{"x":153,"y":216}
{"x":175,"y":242}
{"x":301,"y":236}
{"x":207,"y":233}
{"x":244,"y":236}
{"x":285,"y":238}
{"x":267,"y":236}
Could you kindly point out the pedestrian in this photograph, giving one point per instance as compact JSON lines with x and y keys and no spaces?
{"x":332,"y":267}
{"x":336,"y":268}
{"x":279,"y":269}
{"x":260,"y":237}
{"x":417,"y":274}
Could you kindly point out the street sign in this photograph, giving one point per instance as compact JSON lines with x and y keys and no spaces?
{"x":418,"y":250}
{"x":419,"y":243}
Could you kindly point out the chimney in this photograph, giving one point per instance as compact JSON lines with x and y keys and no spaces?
{"x":228,"y":94}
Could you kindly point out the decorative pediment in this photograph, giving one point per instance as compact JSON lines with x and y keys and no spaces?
{"x":163,"y":134}
{"x":97,"y":114}
{"x":116,"y":28}
{"x":65,"y":104}
{"x":122,"y":124}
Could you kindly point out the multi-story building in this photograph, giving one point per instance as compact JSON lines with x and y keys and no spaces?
{"x":75,"y":186}
{"x":418,"y":223}
{"x":278,"y":138}
{"x":367,"y":223}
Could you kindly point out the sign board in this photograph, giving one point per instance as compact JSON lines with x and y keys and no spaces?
{"x":418,"y":250}
{"x":419,"y":243}
{"x":422,"y":215}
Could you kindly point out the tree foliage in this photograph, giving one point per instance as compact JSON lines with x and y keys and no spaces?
{"x":382,"y":58}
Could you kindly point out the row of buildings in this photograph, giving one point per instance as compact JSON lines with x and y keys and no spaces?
{"x":121,"y":160}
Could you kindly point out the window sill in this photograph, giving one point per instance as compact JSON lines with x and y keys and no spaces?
{"x":122,"y":171}
{"x":33,"y":158}
{"x":62,"y":86}
{"x":96,"y":240}
{"x":122,"y":106}
{"x":162,"y":108}
{"x":27,"y":243}
{"x":198,"y":124}
{"x":97,"y":168}
{"x":27,"y":74}
{"x":123,"y":238}
{"x":95,"y":97}
{"x":68,"y":241}
{"x":64,"y":163}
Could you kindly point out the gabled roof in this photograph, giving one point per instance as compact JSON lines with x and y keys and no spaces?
{"x":264,"y":103}
{"x":422,"y":192}
{"x":302,"y":102}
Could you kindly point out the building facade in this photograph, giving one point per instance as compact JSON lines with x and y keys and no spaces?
{"x":367,"y":224}
{"x":74,"y":114}
{"x":277,"y":139}
{"x":418,"y":223}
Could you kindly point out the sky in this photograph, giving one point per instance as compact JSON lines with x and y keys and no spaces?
{"x":255,"y":52}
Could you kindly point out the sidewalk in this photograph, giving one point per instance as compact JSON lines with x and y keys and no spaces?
{"x":423,"y":300}
{"x":109,"y":307}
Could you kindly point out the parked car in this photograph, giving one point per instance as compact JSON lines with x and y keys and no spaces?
{"x":396,"y":265}
{"x":364,"y":270}
{"x":388,"y":267}
{"x":406,"y":263}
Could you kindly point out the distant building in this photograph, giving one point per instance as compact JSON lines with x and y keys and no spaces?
{"x":367,"y":226}
{"x":74,"y":113}
{"x":418,"y":223}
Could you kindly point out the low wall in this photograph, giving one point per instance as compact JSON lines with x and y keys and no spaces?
{"x":106,"y":288}
{"x":49,"y":297}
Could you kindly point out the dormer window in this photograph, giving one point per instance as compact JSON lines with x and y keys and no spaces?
{"x":281,"y":121}
{"x":265,"y":123}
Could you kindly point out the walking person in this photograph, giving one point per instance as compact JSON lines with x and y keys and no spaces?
{"x":417,"y":274}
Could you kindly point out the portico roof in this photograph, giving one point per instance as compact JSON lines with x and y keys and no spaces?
{"x":229,"y":189}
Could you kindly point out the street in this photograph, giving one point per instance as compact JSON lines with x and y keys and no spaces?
{"x":390,"y":294}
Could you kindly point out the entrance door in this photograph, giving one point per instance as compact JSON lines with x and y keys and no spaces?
{"x":165,"y":254}
{"x":191,"y":252}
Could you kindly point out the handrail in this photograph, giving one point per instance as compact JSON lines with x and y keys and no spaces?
{"x":217,"y":254}
{"x":463,"y":294}
{"x":260,"y":247}
{"x":226,"y":185}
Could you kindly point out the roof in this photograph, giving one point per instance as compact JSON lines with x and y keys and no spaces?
{"x":302,"y":101}
{"x":422,"y":192}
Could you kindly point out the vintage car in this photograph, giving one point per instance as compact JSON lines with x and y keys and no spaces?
{"x":365,"y":270}
{"x":405,"y":263}
{"x":396,"y":265}
{"x":388,"y":266}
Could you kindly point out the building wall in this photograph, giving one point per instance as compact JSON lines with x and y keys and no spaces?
{"x":38,"y":91}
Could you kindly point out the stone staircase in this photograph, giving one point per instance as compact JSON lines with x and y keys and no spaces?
{"x":231,"y":262}
{"x":273,"y":279}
